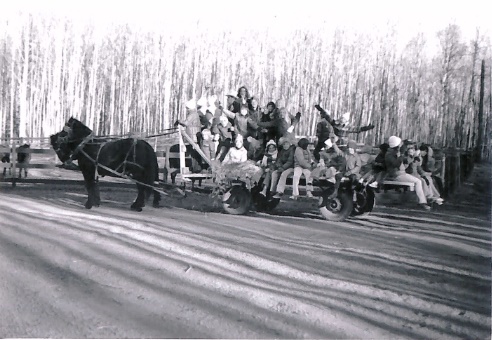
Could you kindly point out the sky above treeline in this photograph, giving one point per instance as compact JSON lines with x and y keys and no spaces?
{"x":408,"y":18}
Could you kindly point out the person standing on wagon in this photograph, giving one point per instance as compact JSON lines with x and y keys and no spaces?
{"x":324,"y":131}
{"x":342,"y":126}
{"x":243,"y":97}
{"x":193,"y":127}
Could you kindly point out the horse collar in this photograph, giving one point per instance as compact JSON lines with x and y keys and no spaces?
{"x":81,"y":145}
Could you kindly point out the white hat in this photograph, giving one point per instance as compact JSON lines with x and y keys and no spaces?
{"x":328,"y":143}
{"x":190,"y":104}
{"x":346,"y":116}
{"x":202,"y":102}
{"x":223,"y":120}
{"x":271,"y":142}
{"x":231,"y":94}
{"x":394,"y":141}
{"x":212,"y":100}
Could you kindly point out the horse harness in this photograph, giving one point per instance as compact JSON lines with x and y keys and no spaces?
{"x":90,"y":137}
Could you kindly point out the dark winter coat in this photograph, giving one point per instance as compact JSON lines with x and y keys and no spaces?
{"x":285,"y":159}
{"x":324,"y":130}
{"x":393,"y":163}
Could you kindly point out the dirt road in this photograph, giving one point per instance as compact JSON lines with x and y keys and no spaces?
{"x":188,"y":270}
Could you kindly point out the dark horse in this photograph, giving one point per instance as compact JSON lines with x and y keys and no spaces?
{"x":129,"y":158}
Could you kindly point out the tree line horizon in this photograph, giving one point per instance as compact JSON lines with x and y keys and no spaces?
{"x":129,"y":81}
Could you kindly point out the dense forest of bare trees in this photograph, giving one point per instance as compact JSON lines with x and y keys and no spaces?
{"x":124,"y":80}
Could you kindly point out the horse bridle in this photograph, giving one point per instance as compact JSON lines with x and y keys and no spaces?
{"x":66,"y":139}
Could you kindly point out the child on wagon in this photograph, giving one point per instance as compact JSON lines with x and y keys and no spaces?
{"x":329,"y":161}
{"x":378,"y":170}
{"x":236,"y":154}
{"x":413,"y":163}
{"x":223,"y":130}
{"x":302,"y":166}
{"x":350,"y":169}
{"x":268,"y":165}
{"x":284,"y":164}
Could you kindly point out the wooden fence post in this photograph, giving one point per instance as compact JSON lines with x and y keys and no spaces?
{"x":182,"y":150}
{"x":13,"y":161}
{"x":443,"y":172}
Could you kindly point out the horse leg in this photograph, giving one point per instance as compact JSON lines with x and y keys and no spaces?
{"x":139,"y":202}
{"x":95,"y":193}
{"x":90,"y":183}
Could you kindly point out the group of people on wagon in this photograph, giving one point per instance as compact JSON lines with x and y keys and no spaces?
{"x":241,"y":130}
{"x":217,"y":128}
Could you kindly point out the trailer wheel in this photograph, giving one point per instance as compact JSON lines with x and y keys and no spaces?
{"x":365,"y":203}
{"x":236,"y":200}
{"x":337,"y":209}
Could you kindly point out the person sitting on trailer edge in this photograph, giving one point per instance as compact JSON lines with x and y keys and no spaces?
{"x":351,"y":167}
{"x":284,"y":165}
{"x":374,"y":178}
{"x":236,"y":154}
{"x":393,"y":161}
{"x":224,"y":131}
{"x":268,"y":165}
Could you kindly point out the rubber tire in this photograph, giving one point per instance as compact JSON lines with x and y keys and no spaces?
{"x":244,"y":200}
{"x":346,"y":209}
{"x":370,"y":204}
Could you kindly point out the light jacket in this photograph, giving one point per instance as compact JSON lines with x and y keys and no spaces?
{"x":302,"y":158}
{"x":236,"y":155}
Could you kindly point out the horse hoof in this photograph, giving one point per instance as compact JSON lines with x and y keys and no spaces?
{"x":88,"y":206}
{"x":156,"y":205}
{"x":138,"y":209}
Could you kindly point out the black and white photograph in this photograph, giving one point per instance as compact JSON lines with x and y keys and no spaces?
{"x":245,"y":169}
